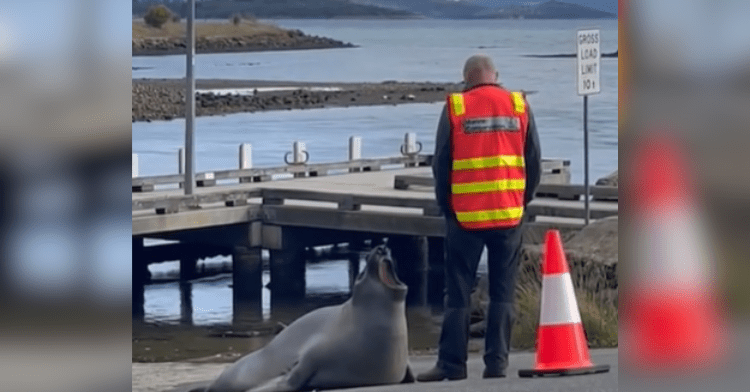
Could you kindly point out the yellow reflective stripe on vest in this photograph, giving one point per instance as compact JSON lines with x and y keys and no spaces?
{"x":488,"y":162}
{"x":519,"y":104}
{"x":490,"y":215}
{"x":488,"y":186}
{"x":457,"y":101}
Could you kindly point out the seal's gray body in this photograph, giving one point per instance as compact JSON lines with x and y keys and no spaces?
{"x":361,"y":342}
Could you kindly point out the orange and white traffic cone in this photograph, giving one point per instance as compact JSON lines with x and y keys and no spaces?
{"x":562,"y":348}
{"x":671,"y":314}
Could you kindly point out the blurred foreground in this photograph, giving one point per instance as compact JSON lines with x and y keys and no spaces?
{"x":64,"y":219}
{"x":684,"y":100}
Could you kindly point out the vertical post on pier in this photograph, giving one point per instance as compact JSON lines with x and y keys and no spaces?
{"x":181,"y":163}
{"x":411,"y":147}
{"x":246,"y":160}
{"x":300,"y":152}
{"x":299,"y":156}
{"x":410,"y":139}
{"x":190,"y":101}
{"x":355,"y":151}
{"x":134,"y":161}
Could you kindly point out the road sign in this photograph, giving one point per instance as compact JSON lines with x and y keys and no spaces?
{"x":587,"y":76}
{"x":588,"y":55}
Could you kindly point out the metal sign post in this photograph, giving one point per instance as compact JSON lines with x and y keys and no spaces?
{"x":588,"y":80}
{"x":190,"y":102}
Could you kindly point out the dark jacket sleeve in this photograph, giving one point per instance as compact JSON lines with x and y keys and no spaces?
{"x":441,"y":161}
{"x":533,"y":159}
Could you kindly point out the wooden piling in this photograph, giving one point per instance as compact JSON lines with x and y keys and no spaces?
{"x":139,"y":276}
{"x":247,"y":273}
{"x":287,"y":264}
{"x":247,"y":287}
{"x":186,"y":302}
{"x":436,"y":274}
{"x":410,"y":254}
{"x":188,"y":268}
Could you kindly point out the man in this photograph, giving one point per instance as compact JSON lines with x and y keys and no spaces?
{"x":487,"y":166}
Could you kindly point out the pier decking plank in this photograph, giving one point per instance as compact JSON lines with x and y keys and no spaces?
{"x":363,"y":201}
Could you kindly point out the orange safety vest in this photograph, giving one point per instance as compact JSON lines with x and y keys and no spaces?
{"x":488,"y":177}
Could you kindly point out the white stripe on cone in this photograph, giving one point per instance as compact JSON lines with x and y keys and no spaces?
{"x":673,"y":250}
{"x":558,"y":301}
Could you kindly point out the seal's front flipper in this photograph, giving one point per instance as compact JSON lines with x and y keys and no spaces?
{"x":293,"y":380}
{"x":277,"y":384}
{"x":409,"y":377}
{"x":201,"y":386}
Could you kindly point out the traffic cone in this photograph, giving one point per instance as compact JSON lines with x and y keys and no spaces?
{"x":562,"y":348}
{"x":671,"y":313}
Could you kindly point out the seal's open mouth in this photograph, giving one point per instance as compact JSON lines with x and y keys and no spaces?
{"x":387,"y":275}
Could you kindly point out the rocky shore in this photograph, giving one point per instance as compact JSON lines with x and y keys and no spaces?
{"x":292,"y":39}
{"x":164,"y":99}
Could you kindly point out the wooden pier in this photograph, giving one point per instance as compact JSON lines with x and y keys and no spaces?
{"x":287,"y":209}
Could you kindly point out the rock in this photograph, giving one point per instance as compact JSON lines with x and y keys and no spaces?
{"x":598,"y":240}
{"x":608,"y":180}
{"x":478,"y":329}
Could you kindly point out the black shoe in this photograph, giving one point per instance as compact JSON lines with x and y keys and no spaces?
{"x":438,"y":374}
{"x":493,"y":373}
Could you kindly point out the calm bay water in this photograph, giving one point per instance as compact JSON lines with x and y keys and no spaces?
{"x":423,"y":50}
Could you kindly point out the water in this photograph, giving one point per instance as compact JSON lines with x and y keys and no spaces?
{"x":423,"y":50}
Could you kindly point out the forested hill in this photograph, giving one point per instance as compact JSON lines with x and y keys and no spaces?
{"x":269,"y":9}
{"x":440,"y":9}
{"x":481,"y":9}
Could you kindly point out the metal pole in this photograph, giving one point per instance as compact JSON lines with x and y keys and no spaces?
{"x":586,"y":154}
{"x":190,"y":102}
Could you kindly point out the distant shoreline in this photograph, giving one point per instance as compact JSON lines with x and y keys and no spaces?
{"x":223,"y":37}
{"x":178,"y":47}
{"x":164,"y":99}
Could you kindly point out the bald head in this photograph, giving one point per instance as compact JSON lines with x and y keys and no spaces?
{"x":479,"y":69}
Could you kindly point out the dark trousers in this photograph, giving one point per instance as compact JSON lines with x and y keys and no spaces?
{"x":463,"y":251}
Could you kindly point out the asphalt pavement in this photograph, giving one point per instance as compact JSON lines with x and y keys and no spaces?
{"x":523,"y":360}
{"x":177,"y":376}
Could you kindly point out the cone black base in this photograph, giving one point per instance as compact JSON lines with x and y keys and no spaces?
{"x":564,"y":372}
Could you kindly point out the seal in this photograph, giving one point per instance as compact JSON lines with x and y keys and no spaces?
{"x":362,"y":342}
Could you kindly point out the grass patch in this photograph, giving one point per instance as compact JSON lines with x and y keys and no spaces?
{"x":205,"y":30}
{"x":599,"y":318}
